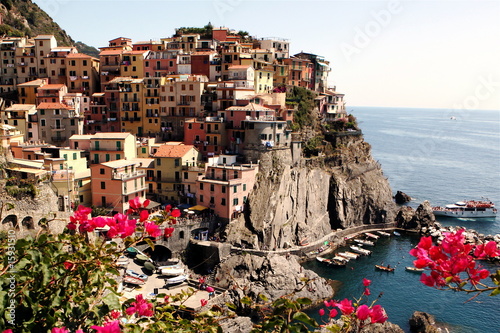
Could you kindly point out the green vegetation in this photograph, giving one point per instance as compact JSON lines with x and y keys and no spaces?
{"x":305,"y":105}
{"x":342,"y":124}
{"x":20,"y":188}
{"x":313,"y":146}
{"x":205,"y":32}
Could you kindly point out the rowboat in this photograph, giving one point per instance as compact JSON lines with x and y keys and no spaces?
{"x":332,"y":262}
{"x":372,"y":235}
{"x":396,"y":233}
{"x":383,"y":233}
{"x":122,"y":261}
{"x":414,"y":269}
{"x":364,"y":242}
{"x":339,"y":258}
{"x":133,"y":280}
{"x":176,"y":280}
{"x":172,"y":271}
{"x":136,"y":275}
{"x":348,"y":255}
{"x":360,"y":250}
{"x":384,"y":268}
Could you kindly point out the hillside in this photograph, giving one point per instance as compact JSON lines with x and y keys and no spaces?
{"x":25,"y":18}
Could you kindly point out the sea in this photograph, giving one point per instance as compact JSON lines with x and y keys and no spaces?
{"x":442,"y":156}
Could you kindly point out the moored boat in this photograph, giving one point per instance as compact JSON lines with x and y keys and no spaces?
{"x":368,"y":234}
{"x":134,"y":274}
{"x":467,"y":209}
{"x":332,"y":262}
{"x":172,"y":271}
{"x":133,"y":280}
{"x":385,"y":268}
{"x":364,"y":242}
{"x":176,"y":280}
{"x":383,"y":233}
{"x":348,"y":255}
{"x":414,"y":269}
{"x":396,"y":233}
{"x":343,"y":259}
{"x":360,"y":250}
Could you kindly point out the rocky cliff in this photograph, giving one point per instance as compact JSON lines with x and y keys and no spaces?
{"x":297,"y":203}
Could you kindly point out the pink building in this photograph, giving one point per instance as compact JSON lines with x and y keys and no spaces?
{"x":114,"y":183}
{"x":207,"y":134}
{"x":225,"y":186}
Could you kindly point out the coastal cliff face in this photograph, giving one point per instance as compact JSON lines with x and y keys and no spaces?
{"x":297,"y":203}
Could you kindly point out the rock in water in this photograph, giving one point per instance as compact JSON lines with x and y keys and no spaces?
{"x":273,"y":276}
{"x":422,"y":322}
{"x":401,"y":198}
{"x":422,"y":217}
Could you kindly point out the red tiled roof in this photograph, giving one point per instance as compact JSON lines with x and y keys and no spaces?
{"x":52,"y":106}
{"x":173,"y":151}
{"x":239,"y":66}
{"x":51,"y":86}
{"x":136,"y":52}
{"x":203,"y":53}
{"x":78,"y":55}
{"x":111,"y":52}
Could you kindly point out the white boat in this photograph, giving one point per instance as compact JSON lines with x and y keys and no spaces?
{"x":176,"y":280}
{"x":396,"y":233}
{"x":332,"y":262}
{"x":172,"y":271}
{"x":133,"y":280}
{"x":372,"y":235}
{"x":348,"y":255}
{"x":122,"y":261}
{"x":136,"y":275}
{"x":364,"y":242}
{"x":414,"y":269}
{"x":467,"y":209}
{"x":383,"y":233}
{"x":339,"y":258}
{"x":360,"y":250}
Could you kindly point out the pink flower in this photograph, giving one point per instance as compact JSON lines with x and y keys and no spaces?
{"x":333,"y":313}
{"x":143,"y":216}
{"x":203,"y":302}
{"x":378,"y":314}
{"x":484,"y":251}
{"x":7,"y":331}
{"x":175,"y":213}
{"x":363,"y":312}
{"x":427,"y":280}
{"x":366,"y":282}
{"x":168,"y":232}
{"x":111,"y":327}
{"x":168,"y":208}
{"x":345,"y":306}
{"x":152,"y":229}
{"x":68,"y":265}
{"x":141,"y":307}
{"x":367,"y":292}
{"x":321,"y":312}
{"x":59,"y":330}
{"x":115,"y":314}
{"x":425,"y":243}
{"x":135,"y":203}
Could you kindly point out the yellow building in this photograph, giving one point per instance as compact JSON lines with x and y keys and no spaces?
{"x":169,"y":162}
{"x":17,"y":115}
{"x":133,"y":63}
{"x":57,"y":64}
{"x":263,"y":81}
{"x":28,"y":90}
{"x":43,"y":46}
{"x":151,"y":105}
{"x":82,"y":73}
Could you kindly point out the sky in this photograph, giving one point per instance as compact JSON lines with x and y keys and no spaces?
{"x":421,"y":54}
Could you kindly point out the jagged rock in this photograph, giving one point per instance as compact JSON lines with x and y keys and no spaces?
{"x":236,"y":325}
{"x":422,"y":217}
{"x":386,"y":327}
{"x":292,"y":201}
{"x":272,"y":276}
{"x":401,"y":198}
{"x":422,"y":322}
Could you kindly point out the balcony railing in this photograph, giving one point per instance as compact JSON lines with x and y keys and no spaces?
{"x":128,"y":175}
{"x":132,"y":119}
{"x":58,"y":138}
{"x":58,"y":128}
{"x":132,"y":189}
{"x":106,"y":148}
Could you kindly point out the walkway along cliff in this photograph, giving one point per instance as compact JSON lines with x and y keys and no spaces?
{"x":297,"y":201}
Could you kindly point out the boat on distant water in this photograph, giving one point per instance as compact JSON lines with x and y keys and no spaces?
{"x":414,"y":269}
{"x":467,"y":209}
{"x":332,"y":262}
{"x":348,"y":255}
{"x":396,"y":233}
{"x":383,"y":233}
{"x":385,"y":268}
{"x":372,"y":235}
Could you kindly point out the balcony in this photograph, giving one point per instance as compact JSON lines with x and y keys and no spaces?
{"x":169,"y":180}
{"x":128,"y":175}
{"x":132,"y":190}
{"x":184,"y":103}
{"x":106,"y":148}
{"x":58,"y":138}
{"x":58,"y":128}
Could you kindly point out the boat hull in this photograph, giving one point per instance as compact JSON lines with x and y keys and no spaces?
{"x":465,"y":213}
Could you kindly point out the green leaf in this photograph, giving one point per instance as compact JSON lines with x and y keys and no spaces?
{"x":301,"y":316}
{"x":150,"y":243}
{"x":246,"y":300}
{"x":304,"y":301}
{"x":112,"y":301}
{"x":495,"y":292}
{"x":263,"y":297}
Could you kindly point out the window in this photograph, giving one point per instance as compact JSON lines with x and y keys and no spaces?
{"x":212,"y":200}
{"x":65,"y":156}
{"x":235,"y":174}
{"x":223,"y":201}
{"x":118,"y":156}
{"x":158,"y":161}
{"x":235,"y":189}
{"x":212,"y":187}
{"x":235,"y":201}
{"x":103,"y":185}
{"x":85,"y":63}
{"x":223,"y":189}
{"x":144,"y":150}
{"x":201,"y":198}
{"x":177,"y":162}
{"x":74,"y":156}
{"x":186,"y":176}
{"x":72,"y":122}
{"x":42,"y":122}
{"x":244,"y":187}
{"x":42,"y":112}
{"x":201,"y":186}
{"x":101,"y":171}
{"x":107,"y":158}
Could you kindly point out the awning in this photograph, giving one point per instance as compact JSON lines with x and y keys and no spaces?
{"x":152,"y":204}
{"x":198,"y":207}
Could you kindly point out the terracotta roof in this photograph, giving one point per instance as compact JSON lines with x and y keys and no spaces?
{"x":34,"y":83}
{"x":173,"y":151}
{"x":249,"y":107}
{"x":20,"y":107}
{"x":52,"y":106}
{"x":78,"y":55}
{"x":44,"y":37}
{"x":111,"y":52}
{"x":51,"y":86}
{"x":203,"y":53}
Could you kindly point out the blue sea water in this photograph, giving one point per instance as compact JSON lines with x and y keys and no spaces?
{"x":442,"y":156}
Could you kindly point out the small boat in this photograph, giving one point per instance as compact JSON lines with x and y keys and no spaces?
{"x":140,"y":258}
{"x":414,"y":269}
{"x":134,"y":274}
{"x":343,"y":259}
{"x":132,"y":251}
{"x":360,"y":250}
{"x":122,"y":261}
{"x":396,"y":233}
{"x":384,"y":268}
{"x":176,"y":280}
{"x":364,"y":242}
{"x":348,"y":255}
{"x":133,"y":280}
{"x":149,"y":266}
{"x":332,"y":262}
{"x":171,"y":271}
{"x":372,"y":235}
{"x":467,"y":209}
{"x":383,"y":233}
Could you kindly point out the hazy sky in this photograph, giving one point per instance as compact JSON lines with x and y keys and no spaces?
{"x":442,"y":54}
